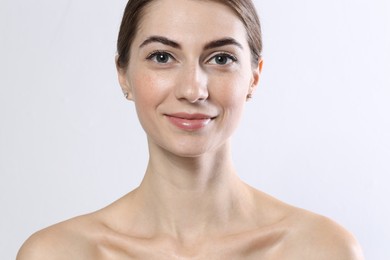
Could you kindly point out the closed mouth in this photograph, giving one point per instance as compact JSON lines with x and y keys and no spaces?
{"x":189,"y":122}
{"x":187,"y":116}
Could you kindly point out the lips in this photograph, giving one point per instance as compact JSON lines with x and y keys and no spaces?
{"x":189,"y":122}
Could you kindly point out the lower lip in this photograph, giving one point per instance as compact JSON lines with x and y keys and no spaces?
{"x":189,"y":124}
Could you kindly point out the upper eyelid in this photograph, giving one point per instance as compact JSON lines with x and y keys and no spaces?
{"x":153,"y":53}
{"x":208,"y":57}
{"x":223,"y":53}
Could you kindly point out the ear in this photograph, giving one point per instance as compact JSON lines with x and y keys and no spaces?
{"x":123,"y":81}
{"x":255,"y":77}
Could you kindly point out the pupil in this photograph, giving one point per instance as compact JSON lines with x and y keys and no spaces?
{"x":221,"y":60}
{"x":163,"y":58}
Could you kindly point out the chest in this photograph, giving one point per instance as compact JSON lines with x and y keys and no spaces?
{"x":241,"y":247}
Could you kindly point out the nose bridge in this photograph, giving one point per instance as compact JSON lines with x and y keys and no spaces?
{"x":192,"y":84}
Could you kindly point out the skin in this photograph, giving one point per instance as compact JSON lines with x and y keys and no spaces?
{"x":191,"y":203}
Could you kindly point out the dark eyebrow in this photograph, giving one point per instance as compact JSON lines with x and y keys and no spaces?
{"x":162,"y":40}
{"x":210,"y":45}
{"x":222,"y":42}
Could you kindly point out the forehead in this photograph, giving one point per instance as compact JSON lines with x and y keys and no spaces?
{"x":190,"y":21}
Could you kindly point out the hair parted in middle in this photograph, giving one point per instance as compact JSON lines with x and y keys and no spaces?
{"x":135,"y":10}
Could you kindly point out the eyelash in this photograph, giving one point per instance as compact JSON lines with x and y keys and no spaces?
{"x":225,"y":54}
{"x":154,"y":54}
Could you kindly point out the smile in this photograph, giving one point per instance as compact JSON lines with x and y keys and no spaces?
{"x":189,"y":122}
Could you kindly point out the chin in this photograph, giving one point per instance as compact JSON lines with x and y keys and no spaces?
{"x":187,"y":146}
{"x":197,"y":149}
{"x":188,"y":152}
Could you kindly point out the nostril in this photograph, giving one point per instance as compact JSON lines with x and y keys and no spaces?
{"x":197,"y":94}
{"x":192,"y":84}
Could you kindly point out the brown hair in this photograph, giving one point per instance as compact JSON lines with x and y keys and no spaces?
{"x":133,"y":13}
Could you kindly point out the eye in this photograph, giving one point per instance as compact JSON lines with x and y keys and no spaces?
{"x":160,"y":57}
{"x":222,"y":59}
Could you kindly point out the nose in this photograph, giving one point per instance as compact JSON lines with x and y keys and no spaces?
{"x":192,"y":84}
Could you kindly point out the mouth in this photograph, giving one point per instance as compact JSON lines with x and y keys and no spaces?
{"x":190,"y":116}
{"x":189,"y":122}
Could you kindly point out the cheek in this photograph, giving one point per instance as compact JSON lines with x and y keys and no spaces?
{"x":144,"y":88}
{"x":148,"y":88}
{"x":230,"y":92}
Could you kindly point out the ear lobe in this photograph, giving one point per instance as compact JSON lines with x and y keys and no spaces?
{"x":123,"y":81}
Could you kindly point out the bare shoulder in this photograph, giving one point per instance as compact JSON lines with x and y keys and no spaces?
{"x":306,"y":235}
{"x":66,"y":240}
{"x":90,"y":236}
{"x":317,"y":237}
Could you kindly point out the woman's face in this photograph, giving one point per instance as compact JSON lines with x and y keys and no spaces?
{"x":189,"y":75}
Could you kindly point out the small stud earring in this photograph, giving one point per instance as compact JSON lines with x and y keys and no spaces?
{"x":249,"y":96}
{"x":126,"y":95}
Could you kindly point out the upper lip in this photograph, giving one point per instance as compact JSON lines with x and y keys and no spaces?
{"x":191,"y":116}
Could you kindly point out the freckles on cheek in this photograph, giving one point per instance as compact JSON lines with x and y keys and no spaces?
{"x":144,"y":87}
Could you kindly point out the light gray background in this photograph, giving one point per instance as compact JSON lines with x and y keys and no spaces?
{"x":316,"y":134}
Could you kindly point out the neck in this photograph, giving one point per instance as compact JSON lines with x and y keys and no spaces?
{"x":192,"y":195}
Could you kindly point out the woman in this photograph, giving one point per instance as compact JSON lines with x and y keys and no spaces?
{"x":189,"y":66}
